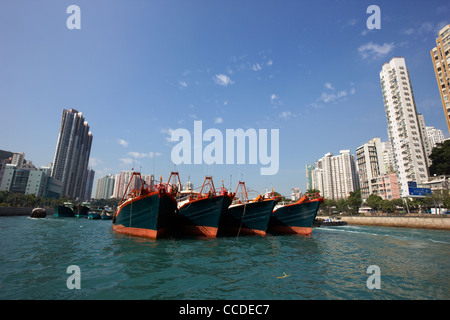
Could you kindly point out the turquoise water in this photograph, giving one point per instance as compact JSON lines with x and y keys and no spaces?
{"x":330,"y":264}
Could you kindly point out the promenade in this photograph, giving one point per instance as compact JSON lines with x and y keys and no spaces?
{"x":422,"y":221}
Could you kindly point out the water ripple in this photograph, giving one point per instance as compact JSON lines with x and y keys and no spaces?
{"x":330,"y":264}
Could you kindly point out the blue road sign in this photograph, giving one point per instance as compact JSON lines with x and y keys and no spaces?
{"x":412,"y":184}
{"x":419,"y":191}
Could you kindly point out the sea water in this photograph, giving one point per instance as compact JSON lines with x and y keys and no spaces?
{"x":332,"y":263}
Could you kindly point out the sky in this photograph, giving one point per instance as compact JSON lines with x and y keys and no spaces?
{"x":138,"y":70}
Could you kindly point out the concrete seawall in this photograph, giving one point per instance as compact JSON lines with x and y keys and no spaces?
{"x":435,"y":222}
{"x":13,"y":211}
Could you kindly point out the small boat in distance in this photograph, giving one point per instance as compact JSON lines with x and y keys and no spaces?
{"x":199,"y":213}
{"x":144,"y":210}
{"x":247,"y":217}
{"x":106,"y":214}
{"x":297,"y":217}
{"x":38,"y":213}
{"x":94,"y":214}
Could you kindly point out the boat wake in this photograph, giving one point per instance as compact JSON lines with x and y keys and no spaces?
{"x":360,"y":230}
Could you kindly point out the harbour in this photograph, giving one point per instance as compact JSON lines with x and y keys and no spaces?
{"x":329,"y":264}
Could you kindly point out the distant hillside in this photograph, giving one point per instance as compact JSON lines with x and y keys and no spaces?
{"x":5,"y":154}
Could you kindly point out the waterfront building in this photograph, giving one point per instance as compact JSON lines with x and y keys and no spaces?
{"x":437,"y":184}
{"x":440,"y":56}
{"x":405,"y":138}
{"x":105,"y":187}
{"x":70,"y":164}
{"x":335,"y":176}
{"x":121,"y":181}
{"x":369,"y":159}
{"x":386,"y":186}
{"x":38,"y":181}
{"x":14,"y":179}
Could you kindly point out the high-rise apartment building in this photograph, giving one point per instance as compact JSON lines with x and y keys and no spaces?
{"x":105,"y":187}
{"x":122,"y":180}
{"x":440,"y":56}
{"x":373,"y":162}
{"x":435,"y":136}
{"x":368,"y":159}
{"x":405,"y":137}
{"x":335,"y":176}
{"x":71,"y":159}
{"x":423,"y":132}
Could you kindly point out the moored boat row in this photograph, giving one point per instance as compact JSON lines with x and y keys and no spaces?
{"x":156,"y":210}
{"x":82,"y":211}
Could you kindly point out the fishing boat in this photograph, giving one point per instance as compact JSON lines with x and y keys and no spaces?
{"x":144,"y":210}
{"x":81,"y":210}
{"x":94,"y":214}
{"x":247,"y":217}
{"x":64,"y":210}
{"x":199,"y":213}
{"x":297,"y":217}
{"x":106,"y":214}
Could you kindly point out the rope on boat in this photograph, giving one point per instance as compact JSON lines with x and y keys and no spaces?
{"x":242,"y":220}
{"x":131,"y":213}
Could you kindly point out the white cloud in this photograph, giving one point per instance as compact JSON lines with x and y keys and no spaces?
{"x":222,"y":79}
{"x":256,"y":67}
{"x":154,"y":154}
{"x":273,"y":97}
{"x":408,"y":31}
{"x":328,"y":85}
{"x":285,"y":115}
{"x":122,"y":142}
{"x":138,"y":154}
{"x":270,"y":62}
{"x":375,"y":51}
{"x":126,"y":161}
{"x":218,"y":120}
{"x":331,"y":96}
{"x":275,"y":101}
{"x":183,"y":84}
{"x":168,"y":132}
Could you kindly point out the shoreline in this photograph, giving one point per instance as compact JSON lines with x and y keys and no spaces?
{"x":425,"y":221}
{"x":16,"y":211}
{"x":422,"y":221}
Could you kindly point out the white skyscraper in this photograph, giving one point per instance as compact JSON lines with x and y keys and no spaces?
{"x":368,"y":158}
{"x":410,"y":160}
{"x":435,"y":136}
{"x":105,"y":187}
{"x":335,"y":176}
